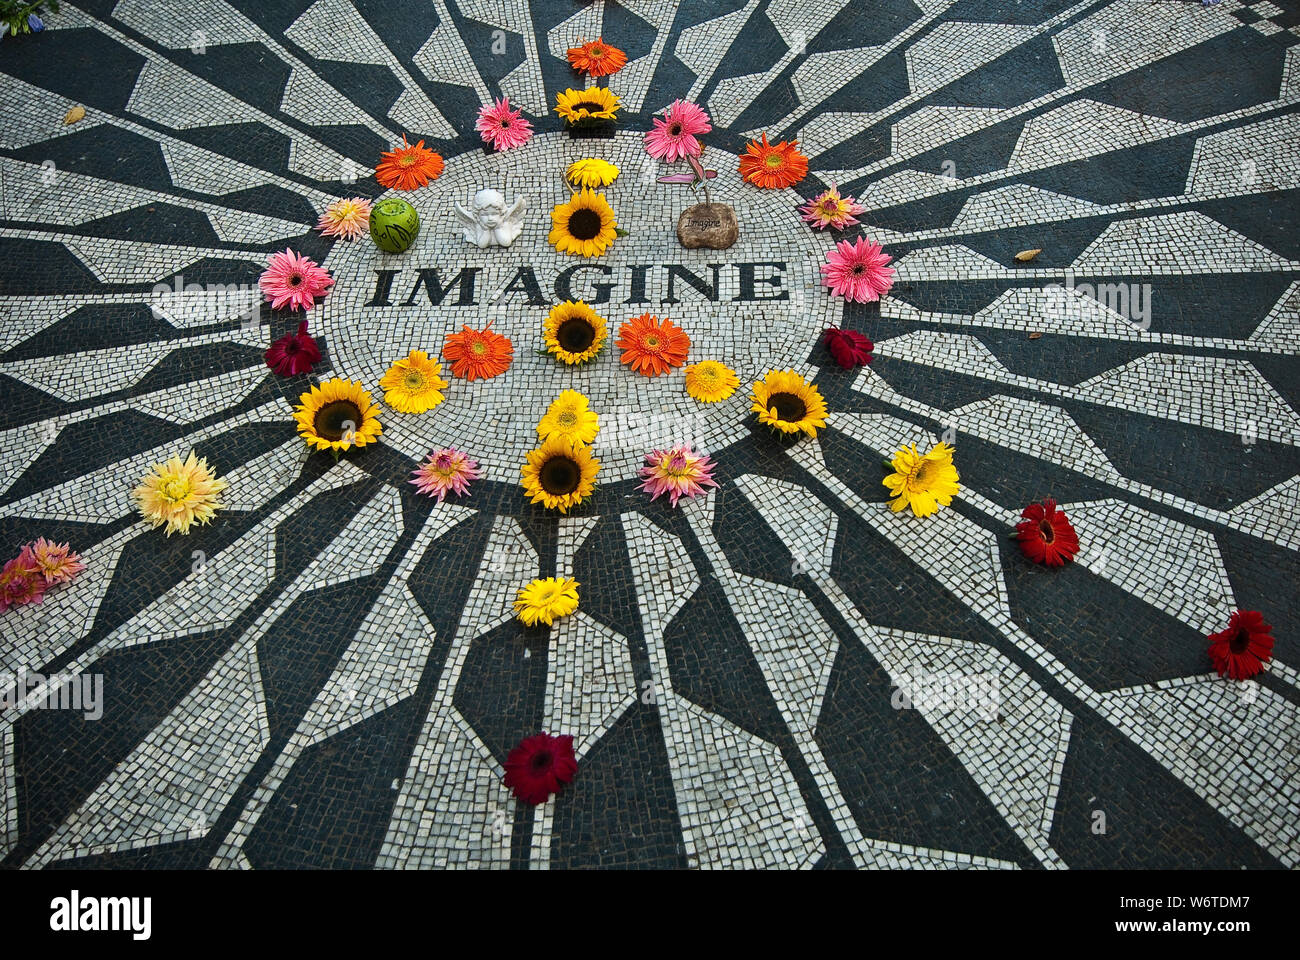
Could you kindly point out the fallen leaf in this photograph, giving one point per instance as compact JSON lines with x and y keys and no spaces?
{"x":1034,"y":335}
{"x":1024,"y":256}
{"x":73,"y":115}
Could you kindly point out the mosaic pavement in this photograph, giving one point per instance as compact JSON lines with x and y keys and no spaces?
{"x":328,"y":675}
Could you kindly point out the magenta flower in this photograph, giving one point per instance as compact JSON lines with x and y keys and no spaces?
{"x":445,"y":471}
{"x":502,"y":127}
{"x":679,"y":472}
{"x":856,"y":271}
{"x":55,"y":562}
{"x":829,"y":209}
{"x":294,"y":280}
{"x":673,"y":137}
{"x":294,"y":353}
{"x":21,"y":581}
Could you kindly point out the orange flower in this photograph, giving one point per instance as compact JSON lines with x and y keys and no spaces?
{"x":407,"y":167}
{"x":478,"y":353}
{"x":652,"y":346}
{"x":773,"y":166}
{"x":597,"y":58}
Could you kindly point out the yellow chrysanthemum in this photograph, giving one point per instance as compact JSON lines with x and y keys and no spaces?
{"x":591,"y":172}
{"x":337,"y":415}
{"x":413,"y":384}
{"x":179,"y":494}
{"x":709,"y":381}
{"x":559,"y":475}
{"x":593,"y":103}
{"x":922,"y":481}
{"x":545,"y":599}
{"x":569,"y":418}
{"x":584,"y":226}
{"x":787,"y":402}
{"x":574,"y":332}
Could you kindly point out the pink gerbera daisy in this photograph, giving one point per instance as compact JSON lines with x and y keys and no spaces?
{"x":445,"y":471}
{"x":502,"y":127}
{"x":829,"y":209}
{"x":679,"y":472}
{"x":55,"y":561}
{"x":20,"y":581}
{"x":294,"y":280}
{"x":673,"y":137}
{"x":348,"y":218}
{"x":856,"y":271}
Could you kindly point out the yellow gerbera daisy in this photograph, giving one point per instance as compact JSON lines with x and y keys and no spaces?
{"x":559,"y":475}
{"x":591,"y":172}
{"x":584,"y":226}
{"x":544,"y":599}
{"x":574,"y":332}
{"x":709,"y":381}
{"x":337,"y":415}
{"x":593,"y":103}
{"x":413,"y":384}
{"x":569,"y":418}
{"x":787,"y":402}
{"x":922,"y":481}
{"x":179,"y":494}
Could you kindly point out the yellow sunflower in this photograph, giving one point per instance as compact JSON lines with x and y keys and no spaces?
{"x":413,"y":384}
{"x":559,"y":475}
{"x":709,"y":381}
{"x":787,"y":402}
{"x":593,"y":103}
{"x":179,"y":494}
{"x":584,"y":226}
{"x":569,"y":418}
{"x":542,"y":600}
{"x":591,"y":172}
{"x":338,"y":415}
{"x":922,"y":481}
{"x":574,"y":332}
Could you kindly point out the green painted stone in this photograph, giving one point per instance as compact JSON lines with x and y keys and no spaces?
{"x":394,"y":225}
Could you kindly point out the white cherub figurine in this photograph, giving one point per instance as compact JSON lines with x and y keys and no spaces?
{"x":488,"y":222}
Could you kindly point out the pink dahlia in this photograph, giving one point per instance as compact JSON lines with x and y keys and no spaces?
{"x":673,"y":137}
{"x":856,"y":271}
{"x":294,"y":353}
{"x":349,"y":218}
{"x":55,"y":561}
{"x":829,"y":209}
{"x":295,"y":280}
{"x":679,"y":472}
{"x":502,"y":127}
{"x":445,"y":471}
{"x":21,"y":581}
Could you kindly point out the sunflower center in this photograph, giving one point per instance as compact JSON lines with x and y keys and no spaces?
{"x":584,"y":224}
{"x":175,"y":490}
{"x":1046,"y":529}
{"x":588,"y":106}
{"x":560,"y":475}
{"x":787,"y":407}
{"x":541,"y":761}
{"x":576,"y":335}
{"x":335,"y":419}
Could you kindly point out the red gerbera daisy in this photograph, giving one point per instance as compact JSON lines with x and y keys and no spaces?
{"x":293,"y":353}
{"x":1242,"y":650}
{"x":539,"y":766}
{"x":1046,"y":535}
{"x":848,"y":347}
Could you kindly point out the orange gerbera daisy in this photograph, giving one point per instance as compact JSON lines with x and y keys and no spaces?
{"x":652,"y":346}
{"x":597,"y":58}
{"x":475,"y":354}
{"x":773,"y":166}
{"x":407,"y":167}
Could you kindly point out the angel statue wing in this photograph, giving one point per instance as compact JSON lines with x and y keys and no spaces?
{"x":515,"y":215}
{"x":464,"y":216}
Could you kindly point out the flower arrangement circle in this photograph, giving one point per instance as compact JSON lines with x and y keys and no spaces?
{"x":338,"y":415}
{"x":583,"y":107}
{"x":923,"y":482}
{"x":179,"y":494}
{"x":408,"y":167}
{"x":39,"y":566}
{"x":545,"y":599}
{"x":788,"y":403}
{"x":347,"y":219}
{"x":539,"y":766}
{"x":501,"y":127}
{"x":652,"y":346}
{"x":413,"y":384}
{"x":678,"y":472}
{"x":294,"y":353}
{"x":574,"y":332}
{"x":857,"y":271}
{"x":1046,"y":535}
{"x":591,"y":172}
{"x":584,"y":226}
{"x":1241,"y":650}
{"x":294,"y":281}
{"x":829,"y":209}
{"x":559,"y":475}
{"x":675,"y":135}
{"x":478,"y":354}
{"x":848,"y":348}
{"x":773,"y":166}
{"x":710,"y":381}
{"x":446,"y":470}
{"x":569,"y":418}
{"x":596,"y":58}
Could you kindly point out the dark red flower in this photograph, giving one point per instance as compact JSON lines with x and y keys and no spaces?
{"x":1045,"y":534}
{"x":539,"y":766}
{"x":293,"y":353}
{"x":848,"y":347}
{"x":1242,"y":650}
